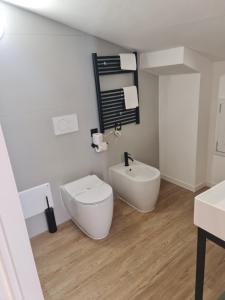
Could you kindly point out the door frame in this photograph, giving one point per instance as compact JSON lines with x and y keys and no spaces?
{"x":18,"y":273}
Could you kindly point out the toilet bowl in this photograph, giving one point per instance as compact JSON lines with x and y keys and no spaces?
{"x":89,"y":202}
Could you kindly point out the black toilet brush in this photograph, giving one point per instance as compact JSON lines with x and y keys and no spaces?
{"x":50,"y":217}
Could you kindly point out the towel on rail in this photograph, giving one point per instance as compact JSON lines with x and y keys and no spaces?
{"x":130,"y":97}
{"x":128,"y":61}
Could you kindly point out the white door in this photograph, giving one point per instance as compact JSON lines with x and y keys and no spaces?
{"x":18,"y":275}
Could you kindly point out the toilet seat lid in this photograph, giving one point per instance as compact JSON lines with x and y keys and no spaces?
{"x":88,"y":190}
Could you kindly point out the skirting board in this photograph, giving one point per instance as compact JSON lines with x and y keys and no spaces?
{"x":183,"y":184}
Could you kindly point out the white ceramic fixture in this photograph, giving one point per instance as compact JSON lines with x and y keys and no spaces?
{"x":209,"y":211}
{"x":138,"y":184}
{"x":89,"y":201}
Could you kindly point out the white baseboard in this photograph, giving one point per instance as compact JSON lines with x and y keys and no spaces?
{"x":193,"y":188}
{"x":200,"y":186}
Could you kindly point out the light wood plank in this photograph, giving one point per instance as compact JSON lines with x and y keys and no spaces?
{"x":146,"y":256}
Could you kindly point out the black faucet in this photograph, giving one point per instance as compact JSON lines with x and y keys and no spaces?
{"x":126,"y":158}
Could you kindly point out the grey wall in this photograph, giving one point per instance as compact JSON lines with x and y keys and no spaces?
{"x":46,"y":71}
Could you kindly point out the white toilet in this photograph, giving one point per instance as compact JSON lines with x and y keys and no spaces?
{"x":89,"y":201}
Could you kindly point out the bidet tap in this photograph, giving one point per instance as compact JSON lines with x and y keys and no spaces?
{"x":127,"y":156}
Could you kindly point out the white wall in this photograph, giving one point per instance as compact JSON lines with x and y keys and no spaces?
{"x":178,"y":92}
{"x":216,"y":162}
{"x":178,"y":127}
{"x":46,"y":71}
{"x":204,"y":67}
{"x":162,"y":58}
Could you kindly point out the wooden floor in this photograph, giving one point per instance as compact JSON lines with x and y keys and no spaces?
{"x":146,"y":256}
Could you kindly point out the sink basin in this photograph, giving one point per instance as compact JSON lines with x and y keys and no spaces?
{"x":209,"y":211}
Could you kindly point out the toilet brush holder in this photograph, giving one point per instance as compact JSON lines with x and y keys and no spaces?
{"x":50,"y":217}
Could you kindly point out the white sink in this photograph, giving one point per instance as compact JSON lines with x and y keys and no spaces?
{"x":209,"y":211}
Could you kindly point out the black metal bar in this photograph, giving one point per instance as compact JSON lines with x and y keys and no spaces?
{"x":100,"y":59}
{"x":111,"y":110}
{"x":127,"y":121}
{"x":119,"y":115}
{"x":215,"y":239}
{"x":108,"y":68}
{"x":111,"y":104}
{"x":98,"y":91}
{"x":109,"y":57}
{"x":119,"y":111}
{"x":115,"y":72}
{"x":113,"y":97}
{"x":105,"y":62}
{"x":122,"y":123}
{"x":116,"y":113}
{"x":200,"y":264}
{"x":108,"y":63}
{"x":136,"y":72}
{"x":111,"y":91}
{"x":137,"y":115}
{"x":119,"y":119}
{"x":105,"y":65}
{"x":136,"y":83}
{"x":118,"y":98}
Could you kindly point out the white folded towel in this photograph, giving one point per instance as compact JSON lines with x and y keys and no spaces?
{"x":128,"y":61}
{"x":130,"y":97}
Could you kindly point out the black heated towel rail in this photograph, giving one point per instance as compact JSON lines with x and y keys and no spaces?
{"x":111,"y":105}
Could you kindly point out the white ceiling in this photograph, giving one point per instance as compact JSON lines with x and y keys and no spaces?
{"x":143,"y":24}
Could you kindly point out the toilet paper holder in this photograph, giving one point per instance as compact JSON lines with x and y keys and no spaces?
{"x":94,"y":130}
{"x":97,"y":137}
{"x":97,"y":141}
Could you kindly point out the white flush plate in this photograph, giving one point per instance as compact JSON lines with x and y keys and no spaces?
{"x":65,"y":124}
